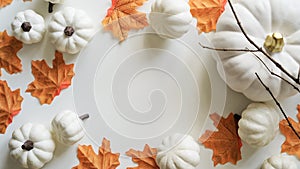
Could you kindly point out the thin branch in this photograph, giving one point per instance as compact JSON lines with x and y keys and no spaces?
{"x":279,"y":106}
{"x":298,"y":74}
{"x":228,"y":49}
{"x":274,"y":74}
{"x":278,"y":65}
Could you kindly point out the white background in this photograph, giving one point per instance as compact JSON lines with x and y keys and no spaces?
{"x":65,"y":157}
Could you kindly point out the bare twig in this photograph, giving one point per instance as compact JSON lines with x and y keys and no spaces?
{"x":278,"y":65}
{"x":279,"y":106}
{"x":298,"y":74}
{"x":253,"y":51}
{"x":228,"y":49}
{"x":274,"y":74}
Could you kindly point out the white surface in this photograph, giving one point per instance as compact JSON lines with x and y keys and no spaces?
{"x":136,"y":92}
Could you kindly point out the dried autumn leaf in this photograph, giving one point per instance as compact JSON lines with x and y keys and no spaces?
{"x":145,"y":159}
{"x":10,"y":105}
{"x":207,"y":13}
{"x":122,"y":16}
{"x":48,"y":81}
{"x":105,"y":159}
{"x":225,"y":142}
{"x":4,"y":3}
{"x":9,"y":46}
{"x":292,"y":142}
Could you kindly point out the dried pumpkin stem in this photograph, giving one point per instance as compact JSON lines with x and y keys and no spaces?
{"x":26,"y":26}
{"x":84,"y":116}
{"x":237,"y":117}
{"x":279,"y":106}
{"x":50,"y":7}
{"x":278,"y":65}
{"x":28,"y":145}
{"x":69,"y":31}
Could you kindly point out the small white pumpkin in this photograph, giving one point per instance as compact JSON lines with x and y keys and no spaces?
{"x":170,"y":18}
{"x":269,"y":25}
{"x":51,"y":3}
{"x":178,"y":152}
{"x":279,"y":162}
{"x":258,"y":125}
{"x":32,"y":145}
{"x":68,"y":127}
{"x":70,"y":30}
{"x":28,"y":27}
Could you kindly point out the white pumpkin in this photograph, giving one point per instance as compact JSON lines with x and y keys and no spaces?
{"x":67,"y":127}
{"x":258,"y":125}
{"x":32,"y":145}
{"x":28,"y":27}
{"x":178,"y":152}
{"x":279,"y":162}
{"x":170,"y":18}
{"x":70,"y":30}
{"x":261,"y":20}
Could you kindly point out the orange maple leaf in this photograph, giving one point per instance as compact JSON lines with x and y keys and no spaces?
{"x":292,"y":142}
{"x":48,"y":81}
{"x":105,"y":159}
{"x":10,"y":105}
{"x":145,"y":159}
{"x":9,"y":46}
{"x":122,"y":16}
{"x":207,"y":13}
{"x":4,"y":3}
{"x":225,"y":142}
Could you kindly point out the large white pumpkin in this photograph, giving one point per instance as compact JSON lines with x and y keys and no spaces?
{"x":178,"y":152}
{"x":259,"y":19}
{"x":170,"y":18}
{"x":32,"y":145}
{"x":258,"y":125}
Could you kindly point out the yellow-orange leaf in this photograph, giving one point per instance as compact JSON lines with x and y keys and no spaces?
{"x":48,"y":81}
{"x":4,"y":3}
{"x":122,"y":16}
{"x":9,"y":46}
{"x":105,"y":159}
{"x":145,"y":159}
{"x":10,"y":105}
{"x":225,"y":143}
{"x":207,"y":13}
{"x":292,"y":142}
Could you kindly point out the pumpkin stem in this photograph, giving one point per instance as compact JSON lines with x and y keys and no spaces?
{"x":28,"y":145}
{"x":69,"y":31}
{"x":274,"y":43}
{"x":26,"y":26}
{"x":84,"y":116}
{"x":237,"y":117}
{"x":50,"y":7}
